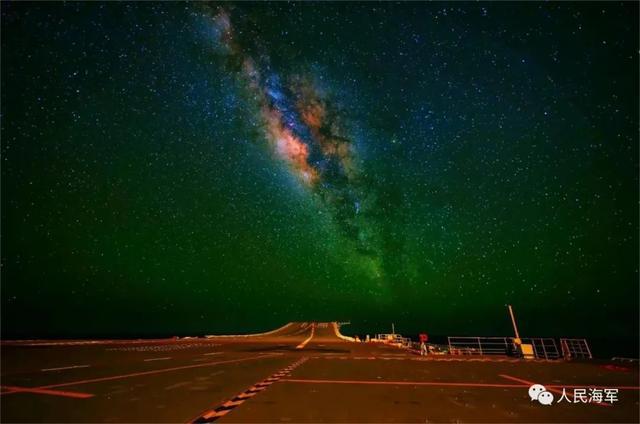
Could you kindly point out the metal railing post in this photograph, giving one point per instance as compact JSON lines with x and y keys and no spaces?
{"x":587,"y":346}
{"x":555,"y":348}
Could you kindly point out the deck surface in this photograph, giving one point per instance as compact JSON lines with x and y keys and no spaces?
{"x":299,"y":373}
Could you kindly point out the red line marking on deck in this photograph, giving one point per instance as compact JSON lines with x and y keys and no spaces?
{"x":582,"y":386}
{"x":41,"y":391}
{"x":577,"y":386}
{"x":137,"y":374}
{"x":403,"y":383}
{"x":525,"y":383}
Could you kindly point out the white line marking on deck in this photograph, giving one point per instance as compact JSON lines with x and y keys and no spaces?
{"x":175,"y":386}
{"x":65,"y":368}
{"x":213,"y":353}
{"x":304,"y":343}
{"x":157,"y":359}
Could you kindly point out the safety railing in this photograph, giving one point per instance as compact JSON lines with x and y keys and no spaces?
{"x":386,"y":337}
{"x":575,"y":349}
{"x":480,"y":345}
{"x":395,"y":339}
{"x":543,"y":347}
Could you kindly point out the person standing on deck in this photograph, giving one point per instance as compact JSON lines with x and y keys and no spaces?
{"x":423,"y":343}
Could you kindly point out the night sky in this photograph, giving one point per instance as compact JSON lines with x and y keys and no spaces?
{"x":199,"y":168}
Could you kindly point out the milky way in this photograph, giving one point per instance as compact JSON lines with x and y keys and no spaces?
{"x":192,"y":168}
{"x":305,"y":130}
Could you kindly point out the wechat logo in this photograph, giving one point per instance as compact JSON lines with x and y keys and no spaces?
{"x":539,"y":392}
